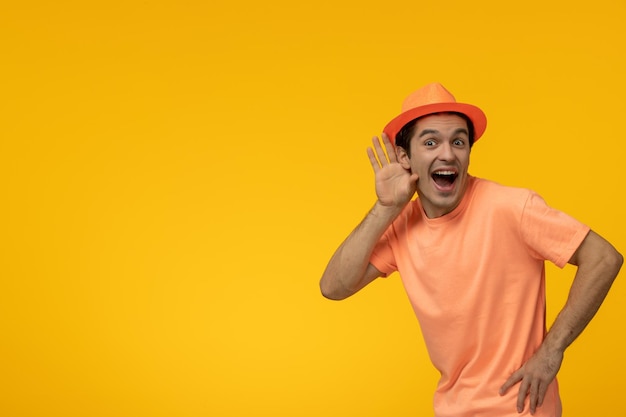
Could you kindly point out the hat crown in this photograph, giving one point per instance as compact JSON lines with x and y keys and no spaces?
{"x":429,"y":94}
{"x":431,"y":99}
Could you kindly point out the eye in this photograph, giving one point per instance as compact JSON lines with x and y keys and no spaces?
{"x":429,"y":142}
{"x":459,"y":142}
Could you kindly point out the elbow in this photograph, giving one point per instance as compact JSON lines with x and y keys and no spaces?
{"x":613,"y":261}
{"x":617,"y":261}
{"x":332,"y":292}
{"x":599,"y":254}
{"x":332,"y":296}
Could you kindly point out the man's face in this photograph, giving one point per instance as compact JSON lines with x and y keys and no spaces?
{"x":440,"y":152}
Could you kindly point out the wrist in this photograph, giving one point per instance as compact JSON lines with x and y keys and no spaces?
{"x":387,"y":212}
{"x":554,"y":343}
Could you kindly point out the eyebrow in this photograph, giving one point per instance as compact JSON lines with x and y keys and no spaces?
{"x":434,"y":131}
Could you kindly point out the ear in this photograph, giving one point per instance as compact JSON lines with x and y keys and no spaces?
{"x":403,"y":157}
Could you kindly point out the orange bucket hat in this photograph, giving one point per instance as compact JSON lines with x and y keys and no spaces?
{"x":434,"y":98}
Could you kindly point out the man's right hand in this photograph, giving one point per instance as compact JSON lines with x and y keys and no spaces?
{"x":395,"y":185}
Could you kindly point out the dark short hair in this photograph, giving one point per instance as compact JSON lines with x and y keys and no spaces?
{"x":403,"y":138}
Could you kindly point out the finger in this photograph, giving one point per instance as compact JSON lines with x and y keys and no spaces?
{"x":389,"y":148}
{"x":513,"y":379}
{"x":521,"y":396}
{"x":532,"y":404}
{"x":373,"y":161}
{"x":379,"y":151}
{"x":541,"y":394}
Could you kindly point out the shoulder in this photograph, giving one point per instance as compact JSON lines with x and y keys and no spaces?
{"x":407,"y":219}
{"x":489,"y":196}
{"x":499,"y":193}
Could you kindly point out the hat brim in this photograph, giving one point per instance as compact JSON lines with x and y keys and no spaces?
{"x":476,"y":115}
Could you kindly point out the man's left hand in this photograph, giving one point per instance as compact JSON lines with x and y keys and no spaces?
{"x":535,"y":377}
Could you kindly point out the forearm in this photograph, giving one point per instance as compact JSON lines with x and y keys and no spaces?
{"x":347,"y":271}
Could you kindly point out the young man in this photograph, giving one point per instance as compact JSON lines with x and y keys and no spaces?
{"x":471,"y":256}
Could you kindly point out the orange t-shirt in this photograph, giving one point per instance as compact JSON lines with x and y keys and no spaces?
{"x":476,"y":280}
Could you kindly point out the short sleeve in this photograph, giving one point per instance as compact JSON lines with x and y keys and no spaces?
{"x":549,"y":233}
{"x":383,"y":257}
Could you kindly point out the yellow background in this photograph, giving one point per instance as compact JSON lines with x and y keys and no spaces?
{"x":175,"y":176}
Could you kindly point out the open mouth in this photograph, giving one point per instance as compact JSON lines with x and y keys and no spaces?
{"x":444,"y":179}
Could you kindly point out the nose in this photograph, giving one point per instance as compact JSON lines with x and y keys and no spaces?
{"x":445,"y":152}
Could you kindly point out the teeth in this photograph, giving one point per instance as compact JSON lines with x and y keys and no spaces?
{"x":445,"y":173}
